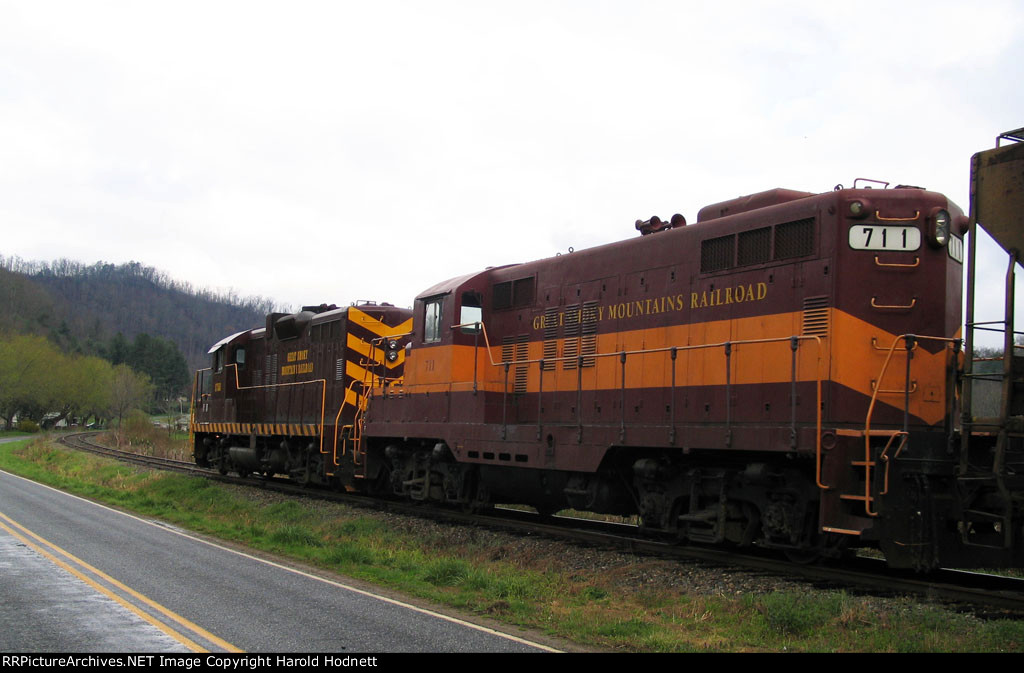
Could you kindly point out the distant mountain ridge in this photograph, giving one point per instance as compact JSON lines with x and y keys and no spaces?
{"x":83,"y":307}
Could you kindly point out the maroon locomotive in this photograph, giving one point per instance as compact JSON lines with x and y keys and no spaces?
{"x":744,"y":379}
{"x":286,"y":398}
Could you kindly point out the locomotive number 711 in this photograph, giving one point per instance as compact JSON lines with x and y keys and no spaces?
{"x":875,"y":237}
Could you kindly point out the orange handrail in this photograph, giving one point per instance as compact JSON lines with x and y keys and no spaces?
{"x":871,"y":409}
{"x":672,"y":349}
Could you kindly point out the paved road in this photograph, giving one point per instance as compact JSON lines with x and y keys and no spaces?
{"x":80,"y":577}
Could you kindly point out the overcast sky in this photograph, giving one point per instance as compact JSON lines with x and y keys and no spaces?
{"x":314,"y":152}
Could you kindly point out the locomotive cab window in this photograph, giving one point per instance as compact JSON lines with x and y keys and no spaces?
{"x":472,"y":312}
{"x":218,"y":359}
{"x":432,"y":310}
{"x":240,"y":357}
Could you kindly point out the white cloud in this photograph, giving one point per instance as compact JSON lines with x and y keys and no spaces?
{"x":265,"y":146}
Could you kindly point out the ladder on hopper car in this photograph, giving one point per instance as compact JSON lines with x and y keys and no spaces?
{"x":990,"y":477}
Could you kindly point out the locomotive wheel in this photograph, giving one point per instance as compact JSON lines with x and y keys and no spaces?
{"x":380,"y":485}
{"x":304,"y":476}
{"x":474,"y":499}
{"x":803,"y":557}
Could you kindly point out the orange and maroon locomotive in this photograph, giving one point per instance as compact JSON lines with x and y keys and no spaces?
{"x":744,"y":379}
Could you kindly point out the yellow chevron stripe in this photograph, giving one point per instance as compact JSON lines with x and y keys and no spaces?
{"x":355,"y":371}
{"x":261,"y":429}
{"x":351,"y":397}
{"x":367,"y":351}
{"x":378,"y":327}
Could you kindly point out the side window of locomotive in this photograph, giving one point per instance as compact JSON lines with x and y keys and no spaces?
{"x":218,"y":359}
{"x":240,"y":357}
{"x":432,"y":320}
{"x":472,"y":312}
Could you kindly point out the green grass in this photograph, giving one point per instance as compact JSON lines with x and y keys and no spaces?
{"x":598,"y":610}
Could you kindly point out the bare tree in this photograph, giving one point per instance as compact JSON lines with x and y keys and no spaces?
{"x":129,"y":390}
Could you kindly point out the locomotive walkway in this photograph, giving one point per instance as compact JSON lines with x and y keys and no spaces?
{"x":80,"y":577}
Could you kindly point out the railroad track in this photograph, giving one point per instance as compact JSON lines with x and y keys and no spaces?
{"x":980,"y":590}
{"x":86,"y":441}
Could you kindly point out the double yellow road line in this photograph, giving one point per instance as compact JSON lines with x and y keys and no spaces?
{"x":191,"y":635}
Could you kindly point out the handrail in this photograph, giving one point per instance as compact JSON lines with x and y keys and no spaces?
{"x":898,"y":265}
{"x":910,"y":340}
{"x":884,"y":456}
{"x":367,"y":385}
{"x":337,"y":419}
{"x":323,"y":394}
{"x":878,"y":215}
{"x":645,"y":351}
{"x":903,"y":307}
{"x":911,"y":389}
{"x":874,"y":344}
{"x":192,"y":411}
{"x":673,"y":351}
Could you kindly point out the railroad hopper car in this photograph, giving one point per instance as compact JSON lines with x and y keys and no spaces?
{"x":284,"y":398}
{"x":781,"y":373}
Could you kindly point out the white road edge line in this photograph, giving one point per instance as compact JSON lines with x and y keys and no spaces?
{"x":408,"y":606}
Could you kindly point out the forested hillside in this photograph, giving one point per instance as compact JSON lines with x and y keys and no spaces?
{"x":83,"y":308}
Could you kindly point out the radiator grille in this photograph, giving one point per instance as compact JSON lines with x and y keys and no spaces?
{"x":515,"y":349}
{"x":270,"y":375}
{"x":716,"y":253}
{"x":754,"y":246}
{"x":588,"y":340}
{"x":815,"y":316}
{"x":758,"y":246}
{"x":550,"y":338}
{"x":794,"y":239}
{"x":572,"y":336}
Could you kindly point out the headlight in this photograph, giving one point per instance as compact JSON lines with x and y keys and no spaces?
{"x":858,"y":208}
{"x":938,"y":227}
